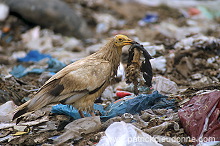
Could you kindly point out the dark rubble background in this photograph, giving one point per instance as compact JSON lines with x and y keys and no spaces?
{"x":182,"y":37}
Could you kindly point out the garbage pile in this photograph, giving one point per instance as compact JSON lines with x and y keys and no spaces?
{"x":180,"y":108}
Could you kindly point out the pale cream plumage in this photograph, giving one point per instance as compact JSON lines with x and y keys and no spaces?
{"x":81,"y":82}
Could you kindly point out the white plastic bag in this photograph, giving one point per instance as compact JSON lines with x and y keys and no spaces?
{"x":164,"y":85}
{"x":6,"y":111}
{"x":125,"y":134}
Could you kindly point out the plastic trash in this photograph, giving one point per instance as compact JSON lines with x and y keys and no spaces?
{"x":45,"y":76}
{"x":123,"y":93}
{"x":159,"y":63}
{"x":79,"y":127}
{"x":134,"y":105}
{"x":210,"y":12}
{"x":196,"y":76}
{"x":20,"y":71}
{"x":193,"y":11}
{"x":152,"y":49}
{"x":21,"y":131}
{"x":173,"y":31}
{"x":158,"y":130}
{"x":4,"y":11}
{"x":7,"y":111}
{"x":105,"y":22}
{"x":53,"y":65}
{"x":122,"y":86}
{"x":200,"y":117}
{"x":33,"y":56}
{"x":121,"y":72}
{"x":127,"y":135}
{"x":164,"y":85}
{"x":149,"y":18}
{"x":161,"y":115}
{"x":19,"y":127}
{"x":5,"y":138}
{"x":211,"y":143}
{"x":71,"y":43}
{"x":58,"y":46}
{"x":37,"y":39}
{"x":73,"y":112}
{"x":212,"y":59}
{"x":31,"y":123}
{"x":198,"y":41}
{"x":18,"y":54}
{"x":108,"y":94}
{"x":128,"y":104}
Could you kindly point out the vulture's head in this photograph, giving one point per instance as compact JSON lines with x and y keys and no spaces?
{"x":122,"y":40}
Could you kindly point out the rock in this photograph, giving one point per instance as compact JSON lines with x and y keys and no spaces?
{"x":52,"y":14}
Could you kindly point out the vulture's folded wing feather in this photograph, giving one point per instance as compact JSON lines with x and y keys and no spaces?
{"x":76,"y":83}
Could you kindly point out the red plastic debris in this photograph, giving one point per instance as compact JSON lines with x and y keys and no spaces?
{"x":123,"y":93}
{"x":200,"y":117}
{"x":193,"y":11}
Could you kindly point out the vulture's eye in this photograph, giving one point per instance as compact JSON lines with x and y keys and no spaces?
{"x":120,"y":39}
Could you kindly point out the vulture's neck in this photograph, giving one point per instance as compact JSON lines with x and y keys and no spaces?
{"x":110,"y":52}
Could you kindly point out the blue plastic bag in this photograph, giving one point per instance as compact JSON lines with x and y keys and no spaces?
{"x":54,"y":65}
{"x":33,"y":56}
{"x":128,"y":104}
